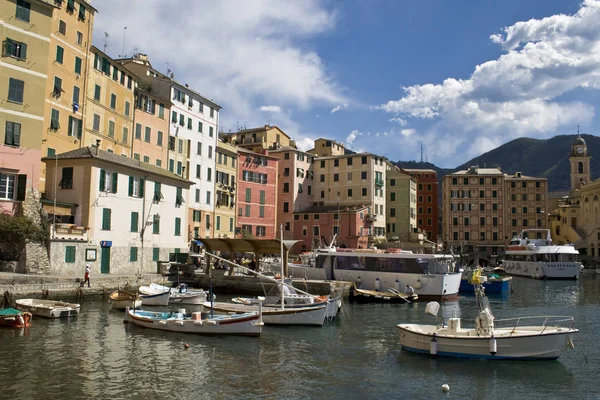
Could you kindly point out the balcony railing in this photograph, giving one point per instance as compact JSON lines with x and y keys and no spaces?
{"x":68,"y":232}
{"x":379,"y":182}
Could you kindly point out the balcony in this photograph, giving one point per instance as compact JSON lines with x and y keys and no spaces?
{"x":379,"y":182}
{"x":68,"y":232}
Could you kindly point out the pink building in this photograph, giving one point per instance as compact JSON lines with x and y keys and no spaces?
{"x":294,"y":188}
{"x":256,"y":194}
{"x":317,"y":223}
{"x":19,"y":171}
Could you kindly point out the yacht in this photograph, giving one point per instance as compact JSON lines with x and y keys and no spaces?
{"x":532,"y":254}
{"x":433,"y":276}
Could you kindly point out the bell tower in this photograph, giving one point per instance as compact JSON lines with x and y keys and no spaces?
{"x":580,"y":164}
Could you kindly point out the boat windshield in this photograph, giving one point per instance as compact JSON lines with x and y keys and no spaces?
{"x":395,"y":265}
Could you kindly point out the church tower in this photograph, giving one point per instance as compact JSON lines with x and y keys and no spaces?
{"x":580,"y":164}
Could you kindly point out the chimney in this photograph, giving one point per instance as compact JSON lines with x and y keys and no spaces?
{"x":97,"y":145}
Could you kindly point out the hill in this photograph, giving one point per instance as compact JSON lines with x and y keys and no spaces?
{"x":546,"y":158}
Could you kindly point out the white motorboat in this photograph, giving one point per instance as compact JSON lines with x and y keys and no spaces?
{"x":48,"y":308}
{"x":249,"y":324}
{"x":532,"y":254}
{"x":181,"y":294}
{"x":152,"y":296}
{"x":517,"y":338}
{"x":120,"y":300}
{"x":433,"y":276}
{"x":312,"y":315}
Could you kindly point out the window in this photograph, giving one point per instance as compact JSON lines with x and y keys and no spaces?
{"x":336,"y":177}
{"x":108,"y":181}
{"x":66,"y":182}
{"x":134,"y":222}
{"x":96,"y":123}
{"x":199,"y":149}
{"x":261,"y":211}
{"x":198,"y":171}
{"x":286,"y":207}
{"x":364,"y":191}
{"x":208,"y":197}
{"x":155,"y":253}
{"x":524,"y":197}
{"x":247,"y":211}
{"x":260,"y":230}
{"x":363,"y":175}
{"x":81,"y":15}
{"x":197,"y":197}
{"x":111,"y":129}
{"x":79,"y":38}
{"x":147,"y":134}
{"x":12,"y":134}
{"x":23,"y":10}
{"x":393,"y":196}
{"x":113,"y":101}
{"x":210,"y":131}
{"x":15,"y":90}
{"x":78,"y":65}
{"x":106,"y":214}
{"x":189,"y":123}
{"x":210,"y":151}
{"x":212,"y":115}
{"x":15,"y":49}
{"x":349,"y":192}
{"x":181,"y":120}
{"x":75,"y":95}
{"x":364,"y":160}
{"x":97,"y":92}
{"x":70,"y":254}
{"x":209,"y":174}
{"x":177,"y":226}
{"x":74,"y":127}
{"x":179,"y":167}
{"x":115,"y":74}
{"x":336,"y":163}
{"x":136,"y":187}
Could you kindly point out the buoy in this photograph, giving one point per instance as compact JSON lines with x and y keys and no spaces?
{"x":377,"y":284}
{"x":418,"y":284}
{"x":359,"y":282}
{"x":433,"y":347}
{"x":186,"y":346}
{"x":493,"y":346}
{"x":397,"y":285}
{"x":445,"y":388}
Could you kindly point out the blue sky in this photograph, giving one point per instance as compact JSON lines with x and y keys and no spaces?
{"x":381,"y":76}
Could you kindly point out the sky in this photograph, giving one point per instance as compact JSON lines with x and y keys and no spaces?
{"x":388,"y":77}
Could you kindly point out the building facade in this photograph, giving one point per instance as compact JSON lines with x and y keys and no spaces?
{"x":127,"y":214}
{"x":401,"y":213}
{"x":256,"y":194}
{"x":225,"y":191}
{"x":26,"y":36}
{"x":68,"y":64}
{"x":109,"y":105}
{"x":150,"y":127}
{"x":258,"y":139}
{"x":427,"y":201}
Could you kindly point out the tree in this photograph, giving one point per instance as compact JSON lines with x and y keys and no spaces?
{"x":15,"y":231}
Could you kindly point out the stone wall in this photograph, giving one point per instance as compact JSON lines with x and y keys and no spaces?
{"x":35,"y":259}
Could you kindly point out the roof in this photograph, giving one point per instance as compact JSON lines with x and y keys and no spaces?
{"x":206,"y":100}
{"x":112,"y":158}
{"x":479,"y":171}
{"x":332,"y":209}
{"x":513,"y":177}
{"x":289,"y":148}
{"x":243,"y":150}
{"x":419,"y":170}
{"x":260,"y":129}
{"x":261,"y":246}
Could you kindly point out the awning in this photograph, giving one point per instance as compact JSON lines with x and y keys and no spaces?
{"x":264,"y":246}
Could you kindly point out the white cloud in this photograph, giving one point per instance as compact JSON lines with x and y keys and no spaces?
{"x":247,"y":54}
{"x":352,"y":137}
{"x":270,"y":109}
{"x":407,"y":132}
{"x":305,"y":144}
{"x":517,"y":94}
{"x":339,"y":107}
{"x":400,"y":121}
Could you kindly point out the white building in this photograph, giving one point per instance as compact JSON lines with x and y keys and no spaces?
{"x":192,"y":145}
{"x":118,"y":214}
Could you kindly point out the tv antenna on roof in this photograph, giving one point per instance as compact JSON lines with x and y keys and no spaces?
{"x":122,"y":55}
{"x":105,"y":41}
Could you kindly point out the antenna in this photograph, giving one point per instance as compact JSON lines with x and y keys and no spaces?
{"x":577,"y":129}
{"x":426,"y":160}
{"x":123,"y":51}
{"x":105,"y":41}
{"x":421,"y":151}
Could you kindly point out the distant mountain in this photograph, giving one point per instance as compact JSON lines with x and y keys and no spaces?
{"x":545,"y":158}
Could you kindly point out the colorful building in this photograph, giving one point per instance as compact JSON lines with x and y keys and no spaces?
{"x":65,"y":87}
{"x":257,"y":139}
{"x":26,"y":35}
{"x":256,"y":194}
{"x":427,"y":201}
{"x":401,"y":215}
{"x":108,"y":105}
{"x":150,"y":126}
{"x":225,"y":191}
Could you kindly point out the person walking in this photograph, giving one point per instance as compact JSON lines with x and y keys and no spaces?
{"x":86,"y":277}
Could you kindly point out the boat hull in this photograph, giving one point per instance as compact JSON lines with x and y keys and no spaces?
{"x":160,"y":299}
{"x":313,"y":315}
{"x":491,"y":286}
{"x":187,"y":298}
{"x":123,"y":304}
{"x":247,"y":325}
{"x":48,"y":308}
{"x":536,"y":346}
{"x":543,"y":270}
{"x":21,"y":320}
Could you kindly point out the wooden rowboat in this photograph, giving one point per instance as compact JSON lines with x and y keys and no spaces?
{"x":121,"y":300}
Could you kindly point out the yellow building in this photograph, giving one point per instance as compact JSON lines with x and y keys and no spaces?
{"x":225,"y":190}
{"x":26,"y":30}
{"x":258,"y":139}
{"x":108,"y":105}
{"x":70,"y":41}
{"x":401,"y":204}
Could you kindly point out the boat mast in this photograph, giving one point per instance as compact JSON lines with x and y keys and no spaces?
{"x":282,"y":276}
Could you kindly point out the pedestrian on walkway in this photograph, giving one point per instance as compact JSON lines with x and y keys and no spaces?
{"x":86,"y":277}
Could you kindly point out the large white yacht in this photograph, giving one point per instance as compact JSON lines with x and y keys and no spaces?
{"x":532,"y":254}
{"x":432,"y":276}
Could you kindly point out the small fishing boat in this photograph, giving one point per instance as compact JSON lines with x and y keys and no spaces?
{"x":249,"y":324}
{"x":517,"y":339}
{"x":48,"y":308}
{"x":313,"y":315}
{"x":181,"y":294}
{"x":14,"y":318}
{"x":153,"y":296}
{"x":121,"y":300}
{"x":495,"y":284}
{"x":391,"y":296}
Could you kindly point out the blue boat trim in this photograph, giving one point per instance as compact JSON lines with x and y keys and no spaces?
{"x":477,"y":356}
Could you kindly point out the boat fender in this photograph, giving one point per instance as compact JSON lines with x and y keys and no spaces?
{"x":433,"y":346}
{"x":162,"y":323}
{"x":493,"y":346}
{"x":397,"y":285}
{"x":445,"y":388}
{"x":21,"y":321}
{"x":418,"y":284}
{"x":199,"y":323}
{"x":211,"y":322}
{"x":377,"y":284}
{"x":179,"y":323}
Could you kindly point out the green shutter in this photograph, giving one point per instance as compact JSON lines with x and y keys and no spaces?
{"x":21,"y":187}
{"x":262,"y":197}
{"x":131,"y":186}
{"x":134,"y":222}
{"x":156,"y":226}
{"x":115,"y":179}
{"x":155,"y":254}
{"x":70,"y":254}
{"x":133,"y":254}
{"x":248,"y":195}
{"x":177,"y":226}
{"x":102,"y":180}
{"x":77,"y":65}
{"x":141,"y":188}
{"x":106,"y":214}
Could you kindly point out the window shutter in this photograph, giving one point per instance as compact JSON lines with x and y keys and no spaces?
{"x":141,"y":189}
{"x":8,"y":45}
{"x":130,"y":186}
{"x":9,"y":139}
{"x":134,"y":222}
{"x":115,"y":178}
{"x":16,"y":131}
{"x":23,"y":51}
{"x":21,"y":187}
{"x":79,"y":125}
{"x":102,"y":180}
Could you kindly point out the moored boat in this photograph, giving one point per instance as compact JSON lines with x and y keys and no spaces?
{"x":151,"y":296}
{"x":14,"y":318}
{"x":249,"y":324}
{"x":516,"y":339}
{"x":533,"y":254}
{"x":48,"y":308}
{"x":182,"y":295}
{"x":495,"y":284}
{"x":311,"y":315}
{"x":122,"y":299}
{"x":391,"y":296}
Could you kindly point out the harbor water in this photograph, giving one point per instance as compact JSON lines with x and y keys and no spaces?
{"x":357,"y":356}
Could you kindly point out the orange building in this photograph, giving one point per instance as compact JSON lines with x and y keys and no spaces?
{"x":427,"y":201}
{"x":150,"y":127}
